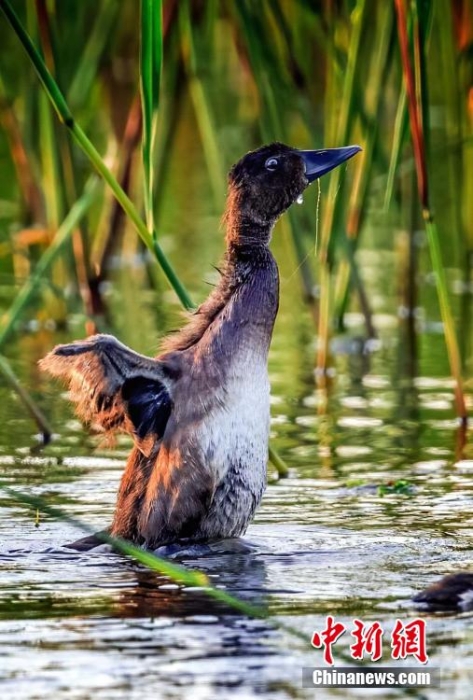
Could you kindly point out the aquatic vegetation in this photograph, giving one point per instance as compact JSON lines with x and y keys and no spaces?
{"x":401,"y":486}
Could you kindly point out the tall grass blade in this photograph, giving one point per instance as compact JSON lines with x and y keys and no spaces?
{"x":112,"y":215}
{"x":278,"y":463}
{"x":452,"y":91}
{"x":401,"y":123}
{"x":51,"y":176}
{"x":151,"y":59}
{"x":361,"y":17}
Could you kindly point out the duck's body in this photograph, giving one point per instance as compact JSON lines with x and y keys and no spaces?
{"x":199,"y":412}
{"x":218,"y":428}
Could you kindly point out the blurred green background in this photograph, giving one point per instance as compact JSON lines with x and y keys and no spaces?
{"x":226,"y":77}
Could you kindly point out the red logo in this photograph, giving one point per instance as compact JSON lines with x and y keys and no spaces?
{"x":333,"y":630}
{"x":369,"y":640}
{"x":407,"y":639}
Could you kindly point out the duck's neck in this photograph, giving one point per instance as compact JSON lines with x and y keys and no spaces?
{"x":245,"y":227}
{"x":247,"y":237}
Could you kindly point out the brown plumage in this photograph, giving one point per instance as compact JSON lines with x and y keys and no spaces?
{"x":101,"y":373}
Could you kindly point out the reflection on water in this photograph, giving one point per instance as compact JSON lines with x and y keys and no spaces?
{"x":327,"y":540}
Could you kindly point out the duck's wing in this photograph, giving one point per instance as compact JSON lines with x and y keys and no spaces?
{"x":115,"y":388}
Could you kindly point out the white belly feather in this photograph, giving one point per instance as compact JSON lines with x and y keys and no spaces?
{"x":235,"y":434}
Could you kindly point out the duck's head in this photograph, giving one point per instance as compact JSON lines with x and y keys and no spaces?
{"x":265,"y":182}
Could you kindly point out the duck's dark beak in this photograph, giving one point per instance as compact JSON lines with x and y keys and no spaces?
{"x":317,"y":163}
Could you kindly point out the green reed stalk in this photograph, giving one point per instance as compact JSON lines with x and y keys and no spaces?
{"x":132,"y":213}
{"x":62,"y":109}
{"x":452,"y":90}
{"x":278,"y":463}
{"x":151,"y":60}
{"x":169,"y":116}
{"x":336,"y":62}
{"x":54,"y":149}
{"x":111,"y":214}
{"x":51,"y":177}
{"x":333,"y":205}
{"x":399,"y":134}
{"x":457,"y":163}
{"x":416,"y":87}
{"x":323,"y":331}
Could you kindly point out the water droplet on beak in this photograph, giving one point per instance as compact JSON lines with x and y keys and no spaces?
{"x":300,"y":199}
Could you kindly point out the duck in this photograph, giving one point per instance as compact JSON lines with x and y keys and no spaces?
{"x":452,"y":593}
{"x":198,"y":412}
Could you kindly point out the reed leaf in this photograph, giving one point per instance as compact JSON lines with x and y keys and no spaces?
{"x":151,"y":59}
{"x":278,"y":463}
{"x":347,"y":114}
{"x":452,"y":92}
{"x":401,"y":124}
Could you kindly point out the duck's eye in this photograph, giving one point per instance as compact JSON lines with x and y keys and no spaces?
{"x":271,"y":164}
